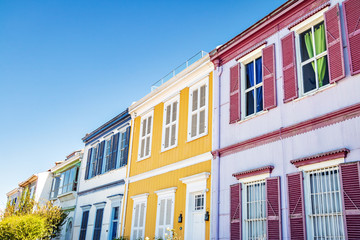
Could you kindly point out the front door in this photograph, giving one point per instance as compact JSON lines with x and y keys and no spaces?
{"x":197,"y":223}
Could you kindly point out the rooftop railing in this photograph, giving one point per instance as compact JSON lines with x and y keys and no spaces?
{"x":179,"y":69}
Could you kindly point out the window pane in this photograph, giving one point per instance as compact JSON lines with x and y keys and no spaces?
{"x":309,"y":77}
{"x":149,"y":125}
{"x":162,"y":212}
{"x":249,"y":75}
{"x":193,"y":125}
{"x":147,"y":148}
{"x":323,"y":73}
{"x":202,"y":122}
{"x":143,"y":128}
{"x":168,"y":211}
{"x":258,"y":64}
{"x":249,"y":102}
{"x":173,"y":134}
{"x":259,"y":99}
{"x":142,"y":147}
{"x":195,"y":100}
{"x":202,"y":96}
{"x":167,"y":135}
{"x":174,"y":112}
{"x":168,"y":113}
{"x":306,"y":45}
{"x":320,"y":41}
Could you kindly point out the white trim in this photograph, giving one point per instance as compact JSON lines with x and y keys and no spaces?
{"x":86,"y":208}
{"x":146,"y":116}
{"x":170,"y":103}
{"x":115,"y":198}
{"x":166,"y":191}
{"x":195,"y":178}
{"x":197,"y":86}
{"x":171,"y":167}
{"x":324,"y":164}
{"x":252,"y":55}
{"x":313,"y":20}
{"x":254,"y":178}
{"x":140,"y":197}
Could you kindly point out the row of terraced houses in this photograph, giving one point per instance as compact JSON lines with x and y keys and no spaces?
{"x":259,"y":139}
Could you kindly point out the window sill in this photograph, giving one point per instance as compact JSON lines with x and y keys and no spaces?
{"x":104,"y":173}
{"x":252,"y":116}
{"x":169,"y":148}
{"x":315,"y":91}
{"x":197,"y":137}
{"x":144,"y":158}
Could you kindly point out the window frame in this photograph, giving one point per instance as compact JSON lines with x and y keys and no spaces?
{"x":139,"y":199}
{"x":176,"y":122}
{"x":299,"y":29}
{"x":194,"y":87}
{"x":165,"y":194}
{"x":145,"y":116}
{"x":122,"y":139}
{"x":250,"y":57}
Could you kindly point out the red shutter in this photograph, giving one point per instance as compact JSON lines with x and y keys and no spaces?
{"x":352,"y":26}
{"x":235,"y":211}
{"x":289,"y":67}
{"x":269,"y":78}
{"x":350,"y":186}
{"x":334,"y":44}
{"x":273,"y":208}
{"x":296,"y":206}
{"x":235,"y":93}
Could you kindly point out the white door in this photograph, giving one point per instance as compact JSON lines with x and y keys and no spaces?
{"x":197,"y":214}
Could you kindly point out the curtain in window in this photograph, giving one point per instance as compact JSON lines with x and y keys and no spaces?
{"x":320,"y":46}
{"x":250,"y":75}
{"x":259,"y":95}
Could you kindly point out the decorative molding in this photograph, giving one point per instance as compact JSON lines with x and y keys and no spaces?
{"x":171,"y":167}
{"x":67,"y":196}
{"x":99,"y":188}
{"x":311,"y":13}
{"x":85,"y":207}
{"x":100,"y":204}
{"x":249,"y":50}
{"x":166,"y":191}
{"x":321,"y":157}
{"x":140,"y":197}
{"x":195,"y":178}
{"x":253,"y":172}
{"x":292,"y":130}
{"x":115,"y":196}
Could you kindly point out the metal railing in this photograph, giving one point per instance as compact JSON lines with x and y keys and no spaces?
{"x":179,"y":69}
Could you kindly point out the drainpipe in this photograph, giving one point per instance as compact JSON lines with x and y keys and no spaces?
{"x":127,"y":177}
{"x":217,"y":158}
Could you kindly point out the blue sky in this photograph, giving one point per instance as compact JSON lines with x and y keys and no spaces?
{"x":66,"y":67}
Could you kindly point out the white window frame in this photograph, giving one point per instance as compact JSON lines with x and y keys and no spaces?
{"x":307,"y":197}
{"x":116,"y":201}
{"x":176,"y":122}
{"x":146,"y":116}
{"x":107,"y":145}
{"x":165,"y":194}
{"x":139,"y":199}
{"x":122,"y":138}
{"x":244,"y":204}
{"x":197,"y":86}
{"x":298,"y":29}
{"x":250,"y":57}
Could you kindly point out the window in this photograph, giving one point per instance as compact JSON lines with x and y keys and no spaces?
{"x":114,"y":222}
{"x":313,"y":58}
{"x":55,"y":187}
{"x":32,"y":190}
{"x":324,"y":204}
{"x":253,"y":92}
{"x":105,"y":166}
{"x":198,"y":111}
{"x":254,"y":210}
{"x":92,"y":170}
{"x":145,"y":137}
{"x":84,"y":223}
{"x":165,"y":215}
{"x":138,"y":218}
{"x":68,"y":180}
{"x":98,"y":223}
{"x":199,"y":202}
{"x":122,"y":151}
{"x":170,"y":126}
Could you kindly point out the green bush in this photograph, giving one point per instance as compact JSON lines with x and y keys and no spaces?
{"x":25,"y":227}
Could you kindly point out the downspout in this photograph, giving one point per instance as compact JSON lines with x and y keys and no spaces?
{"x":127,"y":177}
{"x":217,"y":226}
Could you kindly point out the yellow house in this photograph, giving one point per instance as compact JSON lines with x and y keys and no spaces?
{"x":170,"y":163}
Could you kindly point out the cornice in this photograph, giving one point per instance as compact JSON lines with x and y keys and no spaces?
{"x":253,"y":172}
{"x":321,"y":157}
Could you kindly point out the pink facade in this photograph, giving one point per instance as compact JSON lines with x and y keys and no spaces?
{"x":286,"y":125}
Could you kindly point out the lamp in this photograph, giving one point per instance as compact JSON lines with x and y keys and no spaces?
{"x":207,"y":216}
{"x":180,"y":218}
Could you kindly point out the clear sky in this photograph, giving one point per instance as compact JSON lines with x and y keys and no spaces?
{"x":66,"y":66}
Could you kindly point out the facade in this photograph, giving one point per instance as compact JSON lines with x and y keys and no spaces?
{"x":101,"y":180}
{"x":286,"y":126}
{"x":169,"y":169}
{"x":39,"y":186}
{"x":64,"y":186}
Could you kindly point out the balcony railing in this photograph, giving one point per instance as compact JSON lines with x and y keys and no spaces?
{"x":179,"y":69}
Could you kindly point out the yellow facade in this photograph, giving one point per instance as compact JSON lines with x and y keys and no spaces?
{"x":159,"y":171}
